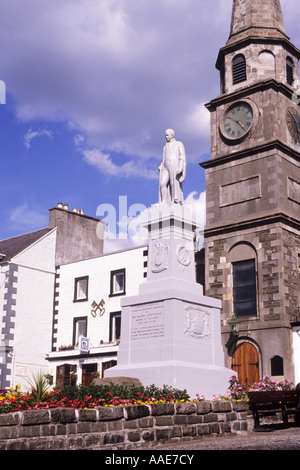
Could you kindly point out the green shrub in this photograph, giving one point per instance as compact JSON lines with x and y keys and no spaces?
{"x":131,"y":392}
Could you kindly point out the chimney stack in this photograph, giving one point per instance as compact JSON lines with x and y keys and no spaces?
{"x":78,"y":236}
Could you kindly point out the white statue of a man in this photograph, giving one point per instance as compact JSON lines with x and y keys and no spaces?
{"x":172,"y":170}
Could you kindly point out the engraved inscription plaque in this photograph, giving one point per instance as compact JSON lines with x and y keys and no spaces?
{"x":147,"y":321}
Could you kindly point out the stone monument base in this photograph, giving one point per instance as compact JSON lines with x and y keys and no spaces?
{"x":171,"y":332}
{"x":172,"y":337}
{"x":122,"y":381}
{"x":196,"y":379}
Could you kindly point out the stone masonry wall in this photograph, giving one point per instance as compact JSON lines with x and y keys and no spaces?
{"x":116,"y":428}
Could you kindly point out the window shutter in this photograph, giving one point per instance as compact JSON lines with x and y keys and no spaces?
{"x":290,"y":71}
{"x":239,"y":73}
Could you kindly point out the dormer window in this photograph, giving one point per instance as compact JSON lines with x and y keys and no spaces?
{"x":239,"y":73}
{"x":289,"y":71}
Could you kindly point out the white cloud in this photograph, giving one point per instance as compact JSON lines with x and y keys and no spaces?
{"x":120,"y":72}
{"x":199,"y":121}
{"x":30,"y":135}
{"x":24,"y":217}
{"x":78,"y":141}
{"x":105,"y":164}
{"x":133,"y":234}
{"x":197,"y":204}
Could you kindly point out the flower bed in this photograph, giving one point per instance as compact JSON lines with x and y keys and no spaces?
{"x":240,"y":391}
{"x":89,"y":397}
{"x":94,"y":396}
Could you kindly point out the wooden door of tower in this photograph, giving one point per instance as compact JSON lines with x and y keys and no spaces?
{"x":245,"y":361}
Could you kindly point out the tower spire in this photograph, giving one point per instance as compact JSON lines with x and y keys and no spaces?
{"x":256,"y":18}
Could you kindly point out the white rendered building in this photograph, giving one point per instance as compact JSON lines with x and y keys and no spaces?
{"x":56,"y":286}
{"x":27,"y":273}
{"x":87,"y":309}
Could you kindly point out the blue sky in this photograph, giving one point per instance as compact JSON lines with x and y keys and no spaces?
{"x":91,"y":87}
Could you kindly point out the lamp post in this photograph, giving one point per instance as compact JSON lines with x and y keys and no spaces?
{"x":234,"y":325}
{"x":233,"y":336}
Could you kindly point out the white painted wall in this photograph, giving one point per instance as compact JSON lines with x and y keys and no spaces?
{"x":3,"y":289}
{"x":98,"y":270}
{"x":3,"y":283}
{"x":34,"y":309}
{"x":296,"y":353}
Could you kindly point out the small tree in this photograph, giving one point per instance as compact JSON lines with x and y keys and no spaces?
{"x":39,"y":386}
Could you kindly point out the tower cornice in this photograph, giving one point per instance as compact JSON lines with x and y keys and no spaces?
{"x":229,"y":48}
{"x":239,"y":155}
{"x":271,"y":220}
{"x":248,"y":90}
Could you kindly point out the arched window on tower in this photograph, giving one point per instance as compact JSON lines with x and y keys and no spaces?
{"x":244,"y":288}
{"x":239,"y":73}
{"x":289,"y":71}
{"x":243,"y":259}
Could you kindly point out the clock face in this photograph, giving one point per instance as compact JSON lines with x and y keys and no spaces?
{"x":238,"y":120}
{"x":293,"y":123}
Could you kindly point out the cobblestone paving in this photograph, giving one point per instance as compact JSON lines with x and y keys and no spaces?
{"x":278,"y":439}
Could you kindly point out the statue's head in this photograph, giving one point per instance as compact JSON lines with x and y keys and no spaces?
{"x":170,"y":134}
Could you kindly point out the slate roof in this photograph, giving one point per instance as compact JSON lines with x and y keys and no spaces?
{"x":11,"y":247}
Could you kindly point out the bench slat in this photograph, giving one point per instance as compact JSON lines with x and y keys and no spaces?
{"x":275,"y":396}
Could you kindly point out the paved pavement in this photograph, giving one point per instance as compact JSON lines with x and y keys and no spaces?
{"x":278,"y":439}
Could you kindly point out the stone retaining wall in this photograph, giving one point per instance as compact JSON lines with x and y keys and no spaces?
{"x":119,"y":427}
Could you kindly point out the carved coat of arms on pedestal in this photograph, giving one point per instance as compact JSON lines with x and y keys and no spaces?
{"x":197,"y":322}
{"x":184,"y":256}
{"x":160,"y":259}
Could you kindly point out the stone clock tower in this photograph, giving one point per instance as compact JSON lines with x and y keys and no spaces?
{"x":252,"y":238}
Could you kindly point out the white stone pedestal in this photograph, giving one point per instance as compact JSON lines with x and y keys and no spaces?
{"x":171,"y":333}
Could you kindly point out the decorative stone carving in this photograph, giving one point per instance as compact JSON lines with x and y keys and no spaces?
{"x":100,"y":307}
{"x":160,"y":259}
{"x":197,"y":322}
{"x":184,"y":256}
